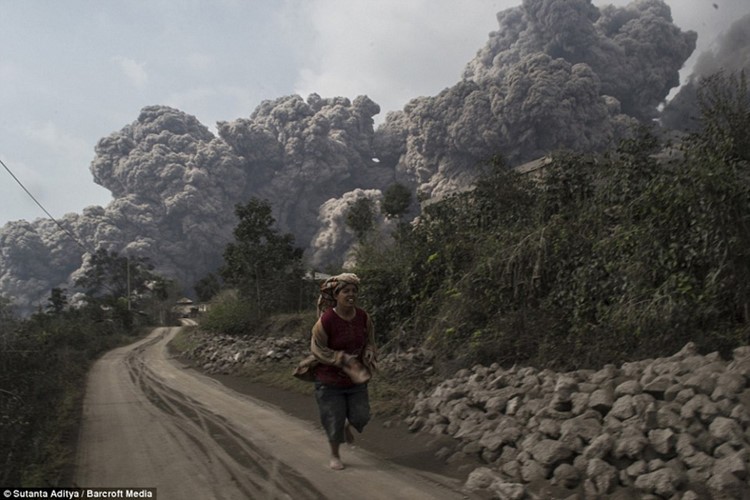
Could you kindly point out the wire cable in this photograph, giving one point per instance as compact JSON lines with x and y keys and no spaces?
{"x":86,"y":248}
{"x":66,"y":230}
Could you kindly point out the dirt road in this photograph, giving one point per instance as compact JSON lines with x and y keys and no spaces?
{"x":149,"y":422}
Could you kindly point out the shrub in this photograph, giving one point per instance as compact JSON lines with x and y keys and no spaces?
{"x":232,"y":315}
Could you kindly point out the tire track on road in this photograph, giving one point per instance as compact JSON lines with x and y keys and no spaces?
{"x":248,"y":465}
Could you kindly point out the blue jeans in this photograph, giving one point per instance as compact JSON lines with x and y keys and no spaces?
{"x":339,"y":404}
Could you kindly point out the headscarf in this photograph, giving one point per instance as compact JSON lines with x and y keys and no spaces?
{"x":330,"y":287}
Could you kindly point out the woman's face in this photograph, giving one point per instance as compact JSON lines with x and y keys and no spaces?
{"x":347,"y":296}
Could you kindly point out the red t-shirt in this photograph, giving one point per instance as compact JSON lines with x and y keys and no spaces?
{"x":348,"y":336}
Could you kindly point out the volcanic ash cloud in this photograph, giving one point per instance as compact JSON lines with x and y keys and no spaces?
{"x":557,"y":74}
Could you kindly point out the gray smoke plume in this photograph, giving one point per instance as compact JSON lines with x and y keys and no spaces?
{"x":35,"y":258}
{"x":174,"y":186}
{"x":731,"y":55}
{"x":556,"y":74}
{"x":298,"y":154}
{"x":335,"y":240}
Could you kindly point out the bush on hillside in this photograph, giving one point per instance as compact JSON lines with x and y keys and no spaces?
{"x":231,"y":314}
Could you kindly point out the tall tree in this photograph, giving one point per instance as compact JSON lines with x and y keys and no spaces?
{"x":57,"y":301}
{"x":262,"y":263}
{"x":110,"y":275}
{"x":361,"y":217}
{"x":118,"y":282}
{"x":207,"y":287}
{"x":396,"y":201}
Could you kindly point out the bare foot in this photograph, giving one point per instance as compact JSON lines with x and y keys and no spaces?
{"x":348,"y":434}
{"x":336,"y":464}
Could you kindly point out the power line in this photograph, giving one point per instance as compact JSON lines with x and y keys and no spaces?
{"x":66,"y":230}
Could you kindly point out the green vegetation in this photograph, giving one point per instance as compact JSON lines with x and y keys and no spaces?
{"x":44,"y":360}
{"x":207,"y":287}
{"x":262,"y":265}
{"x":263,"y":275}
{"x":396,"y":201}
{"x":231,"y":314}
{"x":361,"y":217}
{"x":604,"y":258}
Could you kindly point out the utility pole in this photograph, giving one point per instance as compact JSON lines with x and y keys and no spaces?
{"x":127,"y":259}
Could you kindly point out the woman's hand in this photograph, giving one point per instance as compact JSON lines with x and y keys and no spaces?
{"x":355,"y":369}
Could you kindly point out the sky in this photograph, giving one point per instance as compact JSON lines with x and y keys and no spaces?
{"x":76,"y":71}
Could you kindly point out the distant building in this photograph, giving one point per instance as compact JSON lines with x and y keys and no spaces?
{"x":534,"y":168}
{"x":186,"y":308}
{"x":315,"y":276}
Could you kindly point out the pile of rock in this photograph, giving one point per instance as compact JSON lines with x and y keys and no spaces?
{"x":226,"y":354}
{"x":216,"y":353}
{"x":675,"y":427}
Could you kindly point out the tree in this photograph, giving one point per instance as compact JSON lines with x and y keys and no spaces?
{"x":110,"y":275}
{"x":7,"y":314}
{"x":118,"y":283}
{"x":262,"y":263}
{"x":361,"y":217}
{"x":396,"y":201}
{"x":57,"y":301}
{"x":207,"y":287}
